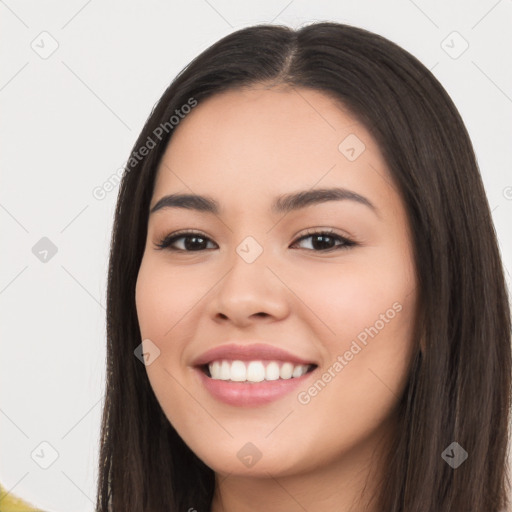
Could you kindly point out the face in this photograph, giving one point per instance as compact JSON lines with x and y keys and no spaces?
{"x":322,"y":283}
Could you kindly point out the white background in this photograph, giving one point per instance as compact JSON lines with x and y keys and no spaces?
{"x":69,"y":121}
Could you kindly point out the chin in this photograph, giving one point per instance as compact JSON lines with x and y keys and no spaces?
{"x":248,"y":459}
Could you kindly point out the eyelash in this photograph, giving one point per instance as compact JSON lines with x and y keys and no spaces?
{"x":166,"y":242}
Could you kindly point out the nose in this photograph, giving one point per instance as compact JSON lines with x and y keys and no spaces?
{"x":249,"y":292}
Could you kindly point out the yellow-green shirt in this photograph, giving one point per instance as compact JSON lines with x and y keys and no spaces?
{"x":11,"y":503}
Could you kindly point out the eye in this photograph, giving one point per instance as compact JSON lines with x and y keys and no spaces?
{"x":325,"y":241}
{"x":191,"y":241}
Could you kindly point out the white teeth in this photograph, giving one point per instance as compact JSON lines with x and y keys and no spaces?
{"x":225,"y":370}
{"x":272,"y":371}
{"x":215,"y":368}
{"x":286,"y":371}
{"x":238,"y":371}
{"x":298,"y":371}
{"x":255,"y":371}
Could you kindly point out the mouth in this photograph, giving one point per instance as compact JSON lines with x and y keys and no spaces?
{"x":251,"y":383}
{"x":253,"y":372}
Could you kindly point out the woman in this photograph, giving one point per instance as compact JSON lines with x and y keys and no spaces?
{"x":306,"y":303}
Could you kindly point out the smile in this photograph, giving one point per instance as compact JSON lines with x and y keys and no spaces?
{"x":247,"y":393}
{"x":255,"y":371}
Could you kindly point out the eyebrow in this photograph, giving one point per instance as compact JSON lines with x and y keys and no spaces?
{"x":282,"y":204}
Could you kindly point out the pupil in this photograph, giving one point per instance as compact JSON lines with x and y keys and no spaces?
{"x":323,"y":242}
{"x":190,"y":246}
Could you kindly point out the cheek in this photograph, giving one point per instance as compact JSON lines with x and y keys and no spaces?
{"x":162,"y":298}
{"x":350,"y":296}
{"x":167,"y":301}
{"x":363,"y":377}
{"x":368,"y":304}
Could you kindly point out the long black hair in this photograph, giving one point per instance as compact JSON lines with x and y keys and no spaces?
{"x":459,"y":387}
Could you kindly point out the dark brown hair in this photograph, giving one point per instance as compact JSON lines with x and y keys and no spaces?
{"x":459,"y":387}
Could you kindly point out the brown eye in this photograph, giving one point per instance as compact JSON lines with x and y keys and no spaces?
{"x":188,"y":242}
{"x":322,"y":241}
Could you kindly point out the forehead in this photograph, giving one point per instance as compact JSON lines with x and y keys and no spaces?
{"x":248,"y":142}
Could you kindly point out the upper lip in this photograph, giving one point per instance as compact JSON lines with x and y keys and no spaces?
{"x":252,"y":352}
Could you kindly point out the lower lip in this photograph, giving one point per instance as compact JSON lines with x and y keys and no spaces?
{"x":248,"y":394}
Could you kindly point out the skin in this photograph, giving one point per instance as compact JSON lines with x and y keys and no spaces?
{"x":244,"y":148}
